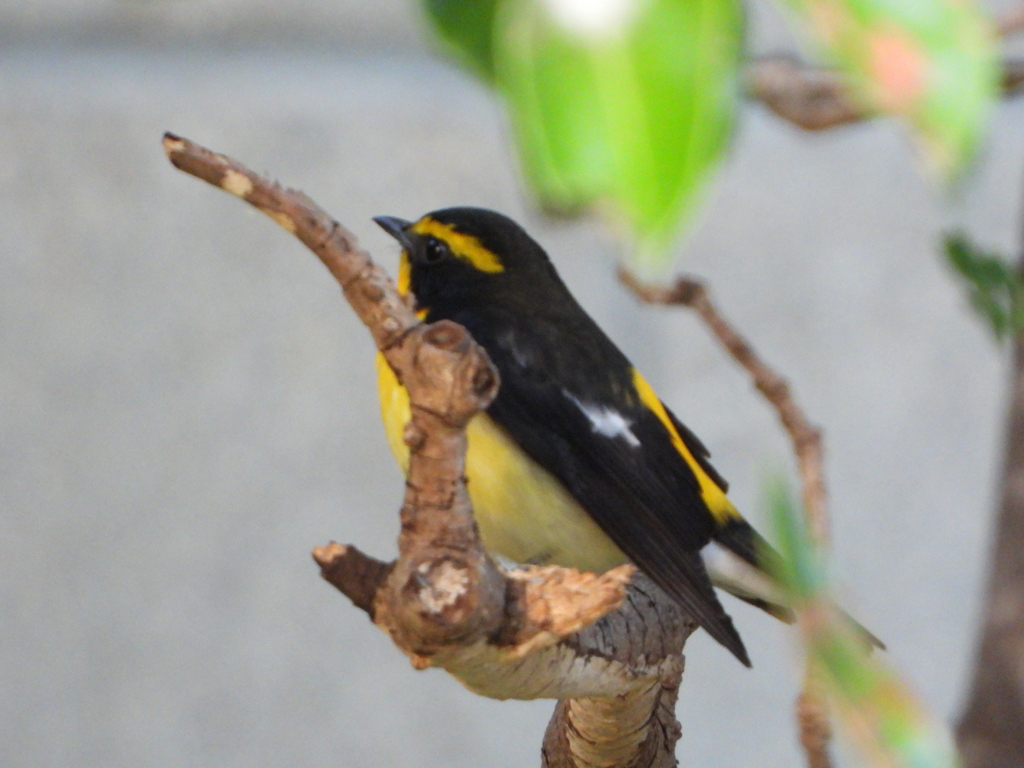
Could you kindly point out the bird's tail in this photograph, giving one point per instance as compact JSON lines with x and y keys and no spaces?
{"x":742,"y":562}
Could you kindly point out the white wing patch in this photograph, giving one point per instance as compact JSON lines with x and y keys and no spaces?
{"x":607,"y":421}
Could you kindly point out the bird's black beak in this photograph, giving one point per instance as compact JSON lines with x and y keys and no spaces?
{"x":397,"y":228}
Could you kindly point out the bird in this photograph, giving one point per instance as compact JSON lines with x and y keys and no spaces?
{"x":576,"y":462}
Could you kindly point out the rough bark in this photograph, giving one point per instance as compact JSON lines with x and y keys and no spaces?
{"x":640,"y":730}
{"x":990,"y":733}
{"x":526,"y":633}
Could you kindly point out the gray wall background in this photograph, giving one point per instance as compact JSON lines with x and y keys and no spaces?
{"x":187,"y":405}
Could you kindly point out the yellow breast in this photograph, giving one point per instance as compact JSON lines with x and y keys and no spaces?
{"x":522,"y":511}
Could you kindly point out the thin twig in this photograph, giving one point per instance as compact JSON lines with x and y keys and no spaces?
{"x":1011,"y":22}
{"x":811,"y":98}
{"x":817,"y":99}
{"x":811,"y":709}
{"x":815,"y":728}
{"x":1013,"y":77}
{"x":806,"y":437}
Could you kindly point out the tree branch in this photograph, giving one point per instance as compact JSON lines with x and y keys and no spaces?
{"x":990,"y":733}
{"x":811,"y":708}
{"x":1012,"y":22}
{"x":526,"y":633}
{"x":806,"y":437}
{"x":638,"y":730}
{"x":810,"y":98}
{"x":816,"y":99}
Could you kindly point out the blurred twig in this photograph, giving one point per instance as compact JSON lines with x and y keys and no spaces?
{"x":816,"y":99}
{"x":990,"y":733}
{"x":812,"y":710}
{"x":1013,"y":77}
{"x":812,"y":98}
{"x":813,"y":723}
{"x":806,"y":437}
{"x":1011,"y":22}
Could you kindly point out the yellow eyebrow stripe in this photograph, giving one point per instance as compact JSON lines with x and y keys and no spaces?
{"x":465,"y":247}
{"x":718,"y":503}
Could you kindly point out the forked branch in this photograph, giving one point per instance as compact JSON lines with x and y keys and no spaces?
{"x":527,"y":633}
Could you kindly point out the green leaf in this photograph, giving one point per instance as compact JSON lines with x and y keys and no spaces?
{"x":801,"y":571}
{"x":553,"y":94}
{"x":931,"y":62}
{"x":879,"y":714}
{"x":467,"y":27}
{"x":632,"y":110}
{"x":993,"y":287}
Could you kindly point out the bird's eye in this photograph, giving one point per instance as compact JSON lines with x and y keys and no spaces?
{"x":435,"y":250}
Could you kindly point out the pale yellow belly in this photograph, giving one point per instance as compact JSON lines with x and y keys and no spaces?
{"x":522,"y":511}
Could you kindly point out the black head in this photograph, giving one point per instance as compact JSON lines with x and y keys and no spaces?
{"x":459,"y":255}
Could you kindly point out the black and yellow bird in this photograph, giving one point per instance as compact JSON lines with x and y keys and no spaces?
{"x":576,"y":462}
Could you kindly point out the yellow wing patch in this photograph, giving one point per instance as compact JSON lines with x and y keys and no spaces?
{"x":721,"y":508}
{"x":465,"y":247}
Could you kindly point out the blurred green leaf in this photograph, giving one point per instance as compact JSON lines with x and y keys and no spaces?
{"x":625,"y":101}
{"x":993,"y":286}
{"x":800,"y":570}
{"x":931,"y":62}
{"x":876,"y":710}
{"x":467,"y":27}
{"x":553,"y":94}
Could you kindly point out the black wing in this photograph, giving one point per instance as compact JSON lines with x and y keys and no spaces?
{"x":568,"y":400}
